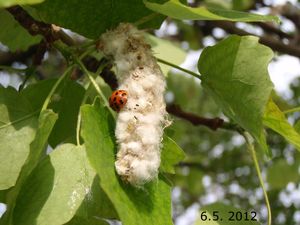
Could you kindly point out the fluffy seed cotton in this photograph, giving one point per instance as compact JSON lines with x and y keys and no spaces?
{"x":140,"y":123}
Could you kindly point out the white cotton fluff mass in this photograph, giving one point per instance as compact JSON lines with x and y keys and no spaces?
{"x":139,"y":128}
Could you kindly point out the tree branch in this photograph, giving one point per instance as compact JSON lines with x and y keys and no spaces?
{"x":31,"y":25}
{"x":50,"y":32}
{"x":273,"y":30}
{"x":7,"y":58}
{"x":213,"y":124}
{"x":269,"y":41}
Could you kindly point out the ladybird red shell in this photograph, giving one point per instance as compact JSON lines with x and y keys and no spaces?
{"x":118,"y":100}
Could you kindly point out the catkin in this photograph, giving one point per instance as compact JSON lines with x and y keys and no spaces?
{"x":139,"y":126}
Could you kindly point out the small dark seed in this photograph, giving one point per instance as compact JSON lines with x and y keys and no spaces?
{"x":137,"y":104}
{"x":139,"y":57}
{"x":141,"y":67}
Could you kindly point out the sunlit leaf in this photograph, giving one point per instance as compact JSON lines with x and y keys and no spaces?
{"x":235,"y":73}
{"x":18,"y":124}
{"x":297,"y":126}
{"x":8,"y":3}
{"x":57,"y":187}
{"x":275,"y":119}
{"x":175,"y":9}
{"x":37,"y":149}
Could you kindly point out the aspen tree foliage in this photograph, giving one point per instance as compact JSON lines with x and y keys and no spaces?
{"x":101,"y":123}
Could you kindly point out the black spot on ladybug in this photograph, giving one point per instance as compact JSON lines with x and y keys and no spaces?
{"x":118,"y":99}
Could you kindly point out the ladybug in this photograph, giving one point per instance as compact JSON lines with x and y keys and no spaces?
{"x":118,"y":100}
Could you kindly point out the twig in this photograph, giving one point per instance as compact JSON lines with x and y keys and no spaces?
{"x":7,"y":58}
{"x":272,"y":29}
{"x":212,"y":123}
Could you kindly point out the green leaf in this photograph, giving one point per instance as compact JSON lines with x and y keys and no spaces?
{"x":3,"y":194}
{"x":171,"y":155}
{"x":297,"y":126}
{"x":224,"y":213}
{"x":235,"y":73}
{"x":56,"y":188}
{"x":99,"y":16}
{"x":8,"y":3}
{"x":175,"y":9}
{"x":38,"y":92}
{"x":10,"y":28}
{"x":218,"y":4}
{"x":90,"y":221}
{"x":167,"y":51}
{"x":275,"y":119}
{"x":96,"y":204}
{"x":280,"y":173}
{"x":242,"y":4}
{"x":18,"y":124}
{"x":67,"y":104}
{"x":46,"y":122}
{"x":150,"y":205}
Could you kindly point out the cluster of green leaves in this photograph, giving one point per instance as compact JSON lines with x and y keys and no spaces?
{"x":64,"y":185}
{"x":76,"y":183}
